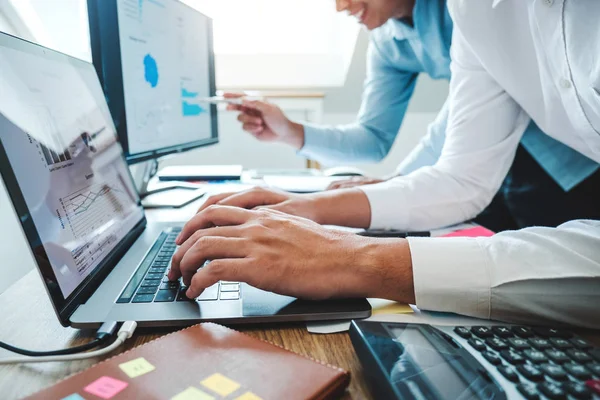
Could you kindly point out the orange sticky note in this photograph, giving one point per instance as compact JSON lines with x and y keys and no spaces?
{"x":478,"y":231}
{"x":106,"y":387}
{"x":220,"y":384}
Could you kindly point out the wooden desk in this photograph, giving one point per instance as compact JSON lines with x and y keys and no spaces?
{"x":28,"y":321}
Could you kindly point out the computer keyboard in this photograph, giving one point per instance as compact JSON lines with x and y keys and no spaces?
{"x":150,"y":282}
{"x":541,"y":362}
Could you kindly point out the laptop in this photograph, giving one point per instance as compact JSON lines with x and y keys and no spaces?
{"x":99,"y":258}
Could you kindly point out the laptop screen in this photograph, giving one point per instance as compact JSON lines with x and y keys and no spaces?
{"x":60,"y":142}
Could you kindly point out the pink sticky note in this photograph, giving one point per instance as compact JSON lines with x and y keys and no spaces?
{"x":478,"y":231}
{"x":106,"y":387}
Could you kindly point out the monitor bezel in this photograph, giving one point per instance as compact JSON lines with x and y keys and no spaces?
{"x":103,"y":17}
{"x":64,"y":307}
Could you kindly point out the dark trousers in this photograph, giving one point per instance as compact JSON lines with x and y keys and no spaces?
{"x":530,"y":197}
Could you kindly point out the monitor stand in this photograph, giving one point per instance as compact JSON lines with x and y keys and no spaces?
{"x":165,"y":195}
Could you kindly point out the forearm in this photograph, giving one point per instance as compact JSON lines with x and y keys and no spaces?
{"x":345,"y":207}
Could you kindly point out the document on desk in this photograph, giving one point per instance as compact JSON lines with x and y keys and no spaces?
{"x":300,"y":184}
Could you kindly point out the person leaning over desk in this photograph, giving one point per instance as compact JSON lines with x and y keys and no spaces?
{"x":548,"y":183}
{"x":513,"y":61}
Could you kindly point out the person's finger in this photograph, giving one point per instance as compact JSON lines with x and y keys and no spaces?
{"x":221,"y":231}
{"x":336,"y":184}
{"x":253,"y":198}
{"x":234,"y":107}
{"x":230,"y":95}
{"x":208,"y":248}
{"x":255,"y":130}
{"x":214,"y":200}
{"x":213,"y":216}
{"x":249,"y":119}
{"x":236,"y":269}
{"x":261,"y":106}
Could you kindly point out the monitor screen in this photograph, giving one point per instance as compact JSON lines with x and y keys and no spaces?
{"x":62,"y":163}
{"x":156,"y":61}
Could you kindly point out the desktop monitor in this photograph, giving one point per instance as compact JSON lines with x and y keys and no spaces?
{"x":155,"y":60}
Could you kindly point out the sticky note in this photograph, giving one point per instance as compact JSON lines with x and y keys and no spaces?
{"x":390,"y":307}
{"x":138,"y":367}
{"x":478,"y":231}
{"x":192,"y":393}
{"x":106,"y":387}
{"x":74,"y":396}
{"x":220,"y":384}
{"x":248,"y":396}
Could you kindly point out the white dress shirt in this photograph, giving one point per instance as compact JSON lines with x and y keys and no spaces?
{"x":512,"y":61}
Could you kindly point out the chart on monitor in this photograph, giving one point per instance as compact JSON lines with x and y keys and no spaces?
{"x":166,"y":69}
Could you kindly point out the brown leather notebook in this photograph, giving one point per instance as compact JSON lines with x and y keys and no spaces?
{"x":204,"y":362}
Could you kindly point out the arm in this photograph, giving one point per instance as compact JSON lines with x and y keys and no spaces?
{"x":536,"y":275}
{"x":386,"y":95}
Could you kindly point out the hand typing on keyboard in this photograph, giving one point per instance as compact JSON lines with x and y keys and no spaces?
{"x":284,"y":254}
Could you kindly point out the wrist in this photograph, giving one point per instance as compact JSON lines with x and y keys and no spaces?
{"x":295,"y":135}
{"x":344,"y":207}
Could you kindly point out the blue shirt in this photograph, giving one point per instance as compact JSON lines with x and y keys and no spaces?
{"x":397,"y":54}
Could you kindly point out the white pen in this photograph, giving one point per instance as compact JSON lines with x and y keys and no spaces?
{"x":225,"y":100}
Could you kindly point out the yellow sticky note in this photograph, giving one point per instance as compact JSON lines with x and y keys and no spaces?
{"x":192,"y":393}
{"x":221,"y":384}
{"x":248,"y":396}
{"x":381,"y":307}
{"x":138,"y":367}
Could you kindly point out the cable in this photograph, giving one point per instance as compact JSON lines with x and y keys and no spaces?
{"x":102,"y":335}
{"x":124,"y":333}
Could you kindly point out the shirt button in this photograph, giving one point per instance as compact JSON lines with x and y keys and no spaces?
{"x":565,"y":83}
{"x":549,"y":3}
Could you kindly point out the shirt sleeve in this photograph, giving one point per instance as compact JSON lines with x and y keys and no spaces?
{"x":531,"y":276}
{"x":386,"y":94}
{"x":485,"y":126}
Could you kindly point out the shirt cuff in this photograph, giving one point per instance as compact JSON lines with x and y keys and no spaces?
{"x":314,"y":141}
{"x":382,"y":215}
{"x":451,"y":275}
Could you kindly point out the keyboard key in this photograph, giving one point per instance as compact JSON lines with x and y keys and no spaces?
{"x":159,"y":270}
{"x":496,"y":344}
{"x":513,"y":357}
{"x":518,"y":343}
{"x":531,"y":372}
{"x":595,"y":368}
{"x":166,"y":279}
{"x":594,"y":386}
{"x":595,"y":353}
{"x":502,"y":331}
{"x":143,"y":298}
{"x":210,"y":293}
{"x":581,"y":344}
{"x":154,"y":276}
{"x":160,"y":264}
{"x":477,"y":344}
{"x":522,"y":331}
{"x":147,"y":290}
{"x":578,"y":371}
{"x":150,"y":282}
{"x":579,"y":356}
{"x":528,"y":391}
{"x":509,"y":373}
{"x":555,"y":372}
{"x":552,"y":391}
{"x":169,"y":286}
{"x":540,"y":344}
{"x":165,"y":296}
{"x":492,"y":357}
{"x":230,"y":295}
{"x":535,"y":356}
{"x":551,"y":332}
{"x":482,"y":332}
{"x":181,"y":295}
{"x":577,"y":390}
{"x":230,"y":287}
{"x":463,"y":332}
{"x":561,"y":344}
{"x":558,"y":356}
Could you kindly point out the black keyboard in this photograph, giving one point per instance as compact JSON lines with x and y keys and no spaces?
{"x":541,"y":362}
{"x":150,"y":283}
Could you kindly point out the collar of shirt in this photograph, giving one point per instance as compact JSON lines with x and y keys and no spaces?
{"x":400,"y":30}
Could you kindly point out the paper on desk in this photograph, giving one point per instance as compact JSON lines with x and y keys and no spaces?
{"x":380,"y":307}
{"x":432,"y":318}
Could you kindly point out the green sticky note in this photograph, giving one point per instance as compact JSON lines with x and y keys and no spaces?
{"x":192,"y":393}
{"x":138,"y":367}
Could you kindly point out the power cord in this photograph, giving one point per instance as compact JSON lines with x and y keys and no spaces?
{"x":126,"y":331}
{"x":102,"y":337}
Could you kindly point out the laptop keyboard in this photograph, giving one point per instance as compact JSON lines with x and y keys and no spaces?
{"x":541,"y":362}
{"x":150,"y":283}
